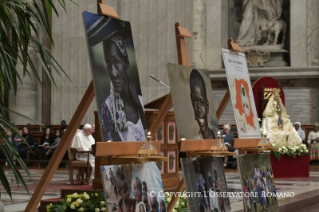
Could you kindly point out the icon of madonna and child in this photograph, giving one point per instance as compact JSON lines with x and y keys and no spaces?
{"x":276,"y":123}
{"x":115,"y":77}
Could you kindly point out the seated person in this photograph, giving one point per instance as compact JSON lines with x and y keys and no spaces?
{"x":300,"y":131}
{"x":46,"y":142}
{"x":313,"y":140}
{"x":25,"y":144}
{"x":84,"y":141}
{"x":29,"y":126}
{"x":228,"y":137}
{"x":63,"y":126}
{"x":56,"y":141}
{"x":17,"y":140}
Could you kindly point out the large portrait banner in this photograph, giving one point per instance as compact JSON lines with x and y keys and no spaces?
{"x":241,"y":94}
{"x":115,"y":77}
{"x":193,"y":102}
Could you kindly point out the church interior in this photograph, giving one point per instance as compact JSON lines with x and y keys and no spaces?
{"x":76,"y":124}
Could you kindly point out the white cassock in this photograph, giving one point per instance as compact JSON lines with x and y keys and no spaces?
{"x":83,"y":142}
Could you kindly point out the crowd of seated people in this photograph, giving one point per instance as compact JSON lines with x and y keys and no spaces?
{"x":43,"y":150}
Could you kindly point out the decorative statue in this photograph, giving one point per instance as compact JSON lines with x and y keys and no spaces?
{"x":272,"y":29}
{"x":276,"y":123}
{"x":255,"y":13}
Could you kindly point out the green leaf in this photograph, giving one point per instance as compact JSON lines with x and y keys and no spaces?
{"x":4,"y":182}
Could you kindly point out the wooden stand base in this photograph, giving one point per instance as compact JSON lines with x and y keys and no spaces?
{"x":257,"y":150}
{"x":137,"y":159}
{"x":214,"y":154}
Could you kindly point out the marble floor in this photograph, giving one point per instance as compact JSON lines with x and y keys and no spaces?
{"x":20,"y":197}
{"x":300,"y":186}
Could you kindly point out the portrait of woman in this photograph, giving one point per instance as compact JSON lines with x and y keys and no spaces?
{"x":115,"y":77}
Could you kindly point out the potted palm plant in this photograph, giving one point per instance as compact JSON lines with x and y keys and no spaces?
{"x":24,"y":26}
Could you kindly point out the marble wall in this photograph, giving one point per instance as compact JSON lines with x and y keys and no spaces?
{"x":28,"y":100}
{"x":297,"y":100}
{"x":70,"y":50}
{"x":312,"y":32}
{"x":154,"y":39}
{"x":152,"y":23}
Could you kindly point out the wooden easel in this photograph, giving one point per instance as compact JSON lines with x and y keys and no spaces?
{"x":196,"y":148}
{"x":130,"y":148}
{"x":193,"y":148}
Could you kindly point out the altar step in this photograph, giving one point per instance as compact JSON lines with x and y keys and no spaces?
{"x":64,"y":193}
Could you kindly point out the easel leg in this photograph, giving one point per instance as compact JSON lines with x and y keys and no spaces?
{"x":183,"y":59}
{"x":223,"y":105}
{"x":61,"y":149}
{"x":180,"y":188}
{"x":161,"y":115}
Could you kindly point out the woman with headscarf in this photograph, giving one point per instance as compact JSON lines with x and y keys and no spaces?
{"x":277,"y":125}
{"x":300,"y":131}
{"x":122,"y":112}
{"x":313,"y":139}
{"x":200,"y":105}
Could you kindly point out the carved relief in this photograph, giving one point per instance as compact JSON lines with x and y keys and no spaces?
{"x":160,"y":133}
{"x":256,"y":58}
{"x":171,"y":132}
{"x":171,"y":161}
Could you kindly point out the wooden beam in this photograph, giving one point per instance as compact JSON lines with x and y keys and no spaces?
{"x":61,"y":149}
{"x":233,"y":46}
{"x":180,"y":188}
{"x":183,"y":59}
{"x":240,"y":143}
{"x":103,"y":9}
{"x":182,"y":53}
{"x":120,"y":148}
{"x":184,"y":32}
{"x":161,"y":115}
{"x":197,"y":145}
{"x":223,"y":105}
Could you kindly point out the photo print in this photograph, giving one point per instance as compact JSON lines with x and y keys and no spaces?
{"x":241,"y":94}
{"x":134,"y":188}
{"x":193,"y":102}
{"x":115,"y":77}
{"x":204,"y":177}
{"x":256,"y":176}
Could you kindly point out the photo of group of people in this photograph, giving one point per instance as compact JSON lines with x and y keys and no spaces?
{"x":205,"y":178}
{"x":258,"y":180}
{"x":133,"y":188}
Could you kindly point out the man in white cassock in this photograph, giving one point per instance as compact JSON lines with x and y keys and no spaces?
{"x":84,"y":140}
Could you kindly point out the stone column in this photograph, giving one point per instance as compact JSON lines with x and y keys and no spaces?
{"x":28,"y":95}
{"x":298,"y":29}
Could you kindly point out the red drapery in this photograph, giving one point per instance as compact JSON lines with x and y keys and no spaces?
{"x":289,"y":167}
